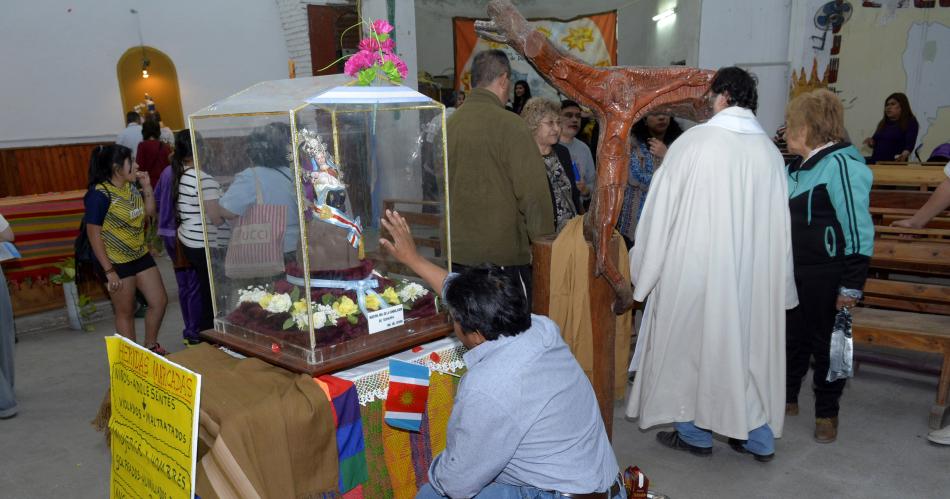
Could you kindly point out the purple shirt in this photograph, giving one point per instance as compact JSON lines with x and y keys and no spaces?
{"x":891,"y":140}
{"x":167,"y":225}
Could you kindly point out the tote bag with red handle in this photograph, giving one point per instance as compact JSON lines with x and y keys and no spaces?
{"x":257,"y":241}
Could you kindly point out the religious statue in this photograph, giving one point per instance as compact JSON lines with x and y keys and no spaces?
{"x":618,"y":97}
{"x":335,"y":237}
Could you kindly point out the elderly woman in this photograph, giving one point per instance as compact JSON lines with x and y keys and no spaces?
{"x":543,"y":117}
{"x":832,"y":240}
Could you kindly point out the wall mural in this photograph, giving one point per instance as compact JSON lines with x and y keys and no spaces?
{"x":591,"y":38}
{"x":864,"y":51}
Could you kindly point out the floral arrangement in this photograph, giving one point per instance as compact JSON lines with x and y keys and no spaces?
{"x":377,"y":57}
{"x":330,"y":310}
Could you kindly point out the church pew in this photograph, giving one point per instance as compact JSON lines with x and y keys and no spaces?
{"x":908,"y":315}
{"x":922,"y":177}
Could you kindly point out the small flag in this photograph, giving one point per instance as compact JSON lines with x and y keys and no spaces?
{"x":577,"y":173}
{"x":407,"y":396}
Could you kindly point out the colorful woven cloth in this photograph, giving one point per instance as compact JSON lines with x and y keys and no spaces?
{"x":349,"y":431}
{"x":46,"y":227}
{"x":441,"y":399}
{"x":398,"y":454}
{"x":378,"y":484}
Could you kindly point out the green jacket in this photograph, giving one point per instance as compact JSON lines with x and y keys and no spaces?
{"x":498,"y":187}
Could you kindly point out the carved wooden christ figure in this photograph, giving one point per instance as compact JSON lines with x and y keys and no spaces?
{"x":618,"y":97}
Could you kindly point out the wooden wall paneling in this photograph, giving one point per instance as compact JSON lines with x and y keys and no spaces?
{"x":39,"y":170}
{"x":9,"y":180}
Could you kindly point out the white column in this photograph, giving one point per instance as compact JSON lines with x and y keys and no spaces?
{"x":405,"y":31}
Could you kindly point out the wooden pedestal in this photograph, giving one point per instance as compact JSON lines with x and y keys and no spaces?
{"x":337,"y":357}
{"x":603,"y":320}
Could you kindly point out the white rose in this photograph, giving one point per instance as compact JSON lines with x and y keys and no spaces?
{"x":329,"y":313}
{"x":319,"y":319}
{"x":251,"y":295}
{"x":279,"y":303}
{"x":411,"y":291}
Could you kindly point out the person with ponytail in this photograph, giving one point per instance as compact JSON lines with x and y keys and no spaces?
{"x":115,"y":224}
{"x":191,"y":227}
{"x":166,"y":194}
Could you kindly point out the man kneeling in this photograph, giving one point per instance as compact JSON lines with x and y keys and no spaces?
{"x":525,"y":421}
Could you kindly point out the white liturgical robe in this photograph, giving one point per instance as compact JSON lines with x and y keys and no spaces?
{"x":712,"y":258}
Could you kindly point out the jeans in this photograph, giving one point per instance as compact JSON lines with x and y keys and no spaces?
{"x":497,"y":490}
{"x":189,"y":295}
{"x":761,"y":440}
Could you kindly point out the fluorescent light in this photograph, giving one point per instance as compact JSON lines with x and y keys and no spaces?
{"x":663,"y":15}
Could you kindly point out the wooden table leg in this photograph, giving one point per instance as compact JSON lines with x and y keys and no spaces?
{"x":938,"y":412}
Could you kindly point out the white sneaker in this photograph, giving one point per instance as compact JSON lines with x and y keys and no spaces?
{"x":941,"y":436}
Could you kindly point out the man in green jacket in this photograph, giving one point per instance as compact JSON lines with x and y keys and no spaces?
{"x":498,"y":187}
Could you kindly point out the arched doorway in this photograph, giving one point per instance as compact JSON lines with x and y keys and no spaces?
{"x":161,"y":84}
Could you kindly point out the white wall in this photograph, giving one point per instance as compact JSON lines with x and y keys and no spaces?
{"x":753,"y":35}
{"x":404,"y":30}
{"x":59,"y":60}
{"x":641,"y":42}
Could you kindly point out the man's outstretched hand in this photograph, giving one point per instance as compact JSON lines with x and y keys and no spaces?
{"x":402,"y":247}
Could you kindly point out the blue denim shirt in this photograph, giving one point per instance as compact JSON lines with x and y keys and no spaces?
{"x":524,"y":414}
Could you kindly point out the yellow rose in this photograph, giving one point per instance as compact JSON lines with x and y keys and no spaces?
{"x":372,"y":303}
{"x":300,"y":306}
{"x":265,"y":300}
{"x":345,"y":306}
{"x":391,"y":296}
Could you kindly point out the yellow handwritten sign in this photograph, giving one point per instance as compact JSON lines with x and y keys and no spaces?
{"x":154,"y":423}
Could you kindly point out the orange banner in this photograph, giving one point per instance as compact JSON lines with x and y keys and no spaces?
{"x":591,"y":38}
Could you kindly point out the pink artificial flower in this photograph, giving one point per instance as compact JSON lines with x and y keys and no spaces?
{"x":369,"y":44}
{"x":381,"y":26}
{"x":359,"y":61}
{"x":400,"y":66}
{"x":388,"y":45}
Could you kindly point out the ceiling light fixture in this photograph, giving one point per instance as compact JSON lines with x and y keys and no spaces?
{"x":145,"y":62}
{"x":663,"y":15}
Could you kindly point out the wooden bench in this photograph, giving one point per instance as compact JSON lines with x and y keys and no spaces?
{"x":909,"y":330}
{"x":922,"y":177}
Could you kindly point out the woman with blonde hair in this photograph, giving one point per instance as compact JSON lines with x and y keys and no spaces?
{"x":832,"y":241}
{"x":543,"y":117}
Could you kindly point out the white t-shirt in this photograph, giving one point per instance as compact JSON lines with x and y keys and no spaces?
{"x":190,"y":230}
{"x":130,"y":137}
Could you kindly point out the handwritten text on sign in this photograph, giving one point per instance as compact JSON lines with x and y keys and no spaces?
{"x":384,"y":319}
{"x":154,"y":423}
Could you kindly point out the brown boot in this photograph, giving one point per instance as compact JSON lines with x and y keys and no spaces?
{"x":791,"y":409}
{"x":826,"y":430}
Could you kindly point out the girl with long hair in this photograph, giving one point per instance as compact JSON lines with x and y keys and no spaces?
{"x":115,"y":224}
{"x":896,"y":134}
{"x":522,"y":94}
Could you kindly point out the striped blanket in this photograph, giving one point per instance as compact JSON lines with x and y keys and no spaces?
{"x":46,"y":227}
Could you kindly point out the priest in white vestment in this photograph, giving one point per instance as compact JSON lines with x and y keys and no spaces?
{"x":712,"y":259}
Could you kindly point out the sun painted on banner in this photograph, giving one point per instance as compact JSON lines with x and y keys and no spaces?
{"x":407,"y":395}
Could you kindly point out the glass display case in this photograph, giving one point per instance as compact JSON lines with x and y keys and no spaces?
{"x":305,"y":169}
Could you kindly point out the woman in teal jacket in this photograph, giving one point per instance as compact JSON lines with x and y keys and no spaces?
{"x":832,"y":242}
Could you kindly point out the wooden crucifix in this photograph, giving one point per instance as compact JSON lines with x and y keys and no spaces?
{"x":618,"y":97}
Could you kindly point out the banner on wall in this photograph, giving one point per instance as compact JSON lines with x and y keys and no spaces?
{"x":154,"y":423}
{"x":591,"y":38}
